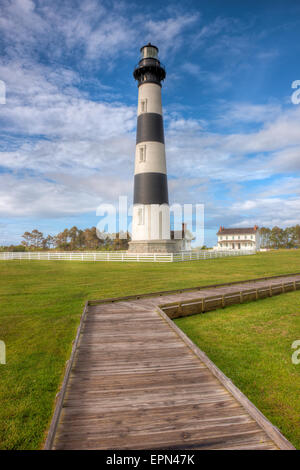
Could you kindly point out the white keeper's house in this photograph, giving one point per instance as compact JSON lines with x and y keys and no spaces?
{"x":238,"y":239}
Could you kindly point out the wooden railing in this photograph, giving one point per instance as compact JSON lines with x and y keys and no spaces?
{"x":213,"y":302}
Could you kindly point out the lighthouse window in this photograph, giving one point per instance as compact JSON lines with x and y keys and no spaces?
{"x":143,"y":106}
{"x":143,"y":153}
{"x":141,"y":216}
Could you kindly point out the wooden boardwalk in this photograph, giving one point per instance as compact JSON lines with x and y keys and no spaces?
{"x":137,"y":382}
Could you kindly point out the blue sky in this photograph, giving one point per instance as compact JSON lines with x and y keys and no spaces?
{"x":68,"y":125}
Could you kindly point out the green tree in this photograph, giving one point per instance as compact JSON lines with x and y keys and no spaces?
{"x":62,"y":240}
{"x":277,"y":237}
{"x":37,"y":238}
{"x":91,"y":239}
{"x":33,"y":239}
{"x":27,"y":239}
{"x":48,"y":242}
{"x":120,"y":243}
{"x":297,"y":235}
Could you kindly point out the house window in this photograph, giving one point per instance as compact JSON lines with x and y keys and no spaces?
{"x":245,"y":237}
{"x":142,"y":151}
{"x":221,"y":238}
{"x":141,"y":216}
{"x":232,"y":237}
{"x":239,"y":237}
{"x":226,"y":238}
{"x":143,"y":106}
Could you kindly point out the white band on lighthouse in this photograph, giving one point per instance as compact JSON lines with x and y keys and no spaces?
{"x":149,"y":98}
{"x":150,"y":157}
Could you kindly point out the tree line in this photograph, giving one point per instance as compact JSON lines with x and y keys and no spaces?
{"x":72,"y":239}
{"x":91,"y":239}
{"x":277,"y":237}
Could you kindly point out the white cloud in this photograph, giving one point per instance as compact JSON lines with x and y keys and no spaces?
{"x":217,"y":79}
{"x":282,"y":186}
{"x":287,"y":159}
{"x":219,"y":25}
{"x":282,"y":132}
{"x":167,"y":32}
{"x":87,"y":31}
{"x":268,"y":211}
{"x":248,"y":113}
{"x":67,"y":196}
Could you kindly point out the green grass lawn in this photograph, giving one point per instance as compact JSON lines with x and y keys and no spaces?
{"x":41,"y":303}
{"x":251,"y":344}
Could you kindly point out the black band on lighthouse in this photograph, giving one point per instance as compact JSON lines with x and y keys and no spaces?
{"x":150,"y":128}
{"x":150,"y":188}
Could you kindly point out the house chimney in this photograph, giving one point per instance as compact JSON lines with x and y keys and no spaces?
{"x":183,"y":230}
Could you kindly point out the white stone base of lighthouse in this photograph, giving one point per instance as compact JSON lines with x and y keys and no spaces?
{"x":154,"y":246}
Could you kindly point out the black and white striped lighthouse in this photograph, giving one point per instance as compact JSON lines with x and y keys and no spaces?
{"x":151,"y":214}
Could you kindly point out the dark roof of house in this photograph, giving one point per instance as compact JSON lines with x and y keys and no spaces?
{"x":237,"y":231}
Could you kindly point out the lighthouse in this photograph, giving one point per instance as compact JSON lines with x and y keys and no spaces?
{"x":151,"y":213}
